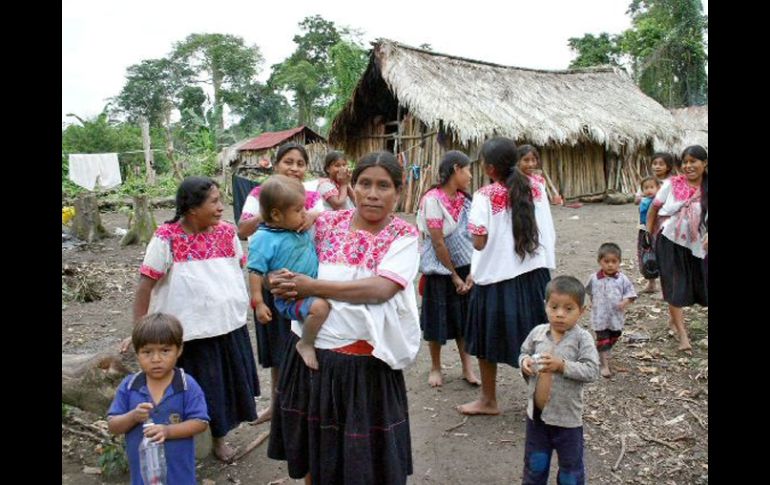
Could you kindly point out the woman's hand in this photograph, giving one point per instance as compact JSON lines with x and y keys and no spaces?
{"x":124,"y":345}
{"x":459,"y":284}
{"x":468,"y":283}
{"x":290,"y":286}
{"x":310,"y":218}
{"x":558,"y":200}
{"x":264,"y":315}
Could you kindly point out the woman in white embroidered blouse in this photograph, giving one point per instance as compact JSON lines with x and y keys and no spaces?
{"x":292,"y":161}
{"x":367,"y":263}
{"x":445,"y":259}
{"x":679,"y":210}
{"x":335,"y":189}
{"x":510,"y":269}
{"x":192,"y":270}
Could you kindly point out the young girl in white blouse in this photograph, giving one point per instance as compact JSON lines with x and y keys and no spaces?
{"x":509,"y":267}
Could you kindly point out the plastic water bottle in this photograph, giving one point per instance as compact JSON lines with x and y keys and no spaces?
{"x":152,"y":460}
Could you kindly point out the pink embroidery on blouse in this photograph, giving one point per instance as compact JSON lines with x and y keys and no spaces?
{"x":151,"y":273}
{"x":337,"y":244}
{"x":196,"y":247}
{"x":435,"y":223}
{"x":392,"y":277}
{"x":497,"y":195}
{"x":255,"y":192}
{"x":681,"y":189}
{"x":332,"y":192}
{"x":454,"y":206}
{"x":245,"y":216}
{"x":477,"y":230}
{"x":535,"y":182}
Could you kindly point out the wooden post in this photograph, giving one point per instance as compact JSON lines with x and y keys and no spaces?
{"x":148,"y":160}
{"x":143,"y":226}
{"x":87,"y":224}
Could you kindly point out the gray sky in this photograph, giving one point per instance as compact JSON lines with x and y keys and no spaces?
{"x":100,"y":39}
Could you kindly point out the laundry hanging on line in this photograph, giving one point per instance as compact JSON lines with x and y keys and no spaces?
{"x":89,"y":170}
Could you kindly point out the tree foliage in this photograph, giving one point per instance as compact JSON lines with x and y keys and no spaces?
{"x":666,"y":46}
{"x":152,"y":89}
{"x":595,"y":50}
{"x":223,"y":61}
{"x":348,"y":61}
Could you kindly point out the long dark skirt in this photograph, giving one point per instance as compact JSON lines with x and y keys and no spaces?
{"x":272,"y":336}
{"x":346,"y":423}
{"x":501,"y":315}
{"x":444,"y":313}
{"x":224,"y":367}
{"x":682,"y":275}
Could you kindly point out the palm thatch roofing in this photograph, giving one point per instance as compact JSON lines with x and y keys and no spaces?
{"x":693,"y":128}
{"x":476,"y":100}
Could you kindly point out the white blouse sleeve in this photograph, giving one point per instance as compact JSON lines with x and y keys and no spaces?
{"x":434,"y":215}
{"x":401,"y":262}
{"x":250,"y":208}
{"x":662,"y":195}
{"x":327,"y":189}
{"x":157,"y":259}
{"x":478,"y":218}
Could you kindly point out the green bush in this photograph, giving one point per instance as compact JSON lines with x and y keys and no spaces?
{"x":113,"y":461}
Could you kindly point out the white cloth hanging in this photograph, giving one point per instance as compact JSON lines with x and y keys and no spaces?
{"x":91,"y":169}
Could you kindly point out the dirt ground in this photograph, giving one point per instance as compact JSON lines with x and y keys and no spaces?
{"x":653,"y":411}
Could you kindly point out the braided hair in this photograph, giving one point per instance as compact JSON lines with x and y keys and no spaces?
{"x":192,"y":193}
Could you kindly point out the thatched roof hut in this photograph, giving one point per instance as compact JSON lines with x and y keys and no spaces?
{"x":594,"y":127}
{"x":693,"y":129}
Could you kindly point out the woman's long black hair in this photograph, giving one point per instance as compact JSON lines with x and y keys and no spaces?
{"x":501,"y":153}
{"x":447,"y":168}
{"x":192,"y":193}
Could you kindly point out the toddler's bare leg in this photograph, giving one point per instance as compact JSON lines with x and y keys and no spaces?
{"x":319,"y":310}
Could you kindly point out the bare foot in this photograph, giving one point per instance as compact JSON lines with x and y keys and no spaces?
{"x":685,"y":347}
{"x":307,"y":352}
{"x":223,"y":451}
{"x":263,"y":417}
{"x":649,"y":289}
{"x":434,"y":378}
{"x":479,"y":407}
{"x":471,"y":378}
{"x":606,"y":372}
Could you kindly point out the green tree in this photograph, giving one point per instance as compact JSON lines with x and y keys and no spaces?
{"x":224,"y":62}
{"x":594,"y":51}
{"x":348,"y":60}
{"x":667,"y":46}
{"x":262,"y":109}
{"x":152,"y":91}
{"x":307,"y":73}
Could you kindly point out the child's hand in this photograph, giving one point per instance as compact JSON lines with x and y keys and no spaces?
{"x":343,"y":176}
{"x":459,"y":284}
{"x":157,"y":432}
{"x":550,"y":363}
{"x":558,"y":200}
{"x":264,"y":315}
{"x":525,"y":366}
{"x":624,"y":304}
{"x":142,"y":411}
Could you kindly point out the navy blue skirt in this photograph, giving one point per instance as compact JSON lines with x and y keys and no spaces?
{"x":224,"y":367}
{"x":444,"y":313}
{"x":501,"y":315}
{"x":272,"y":336}
{"x":682,"y":275}
{"x":346,"y":423}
